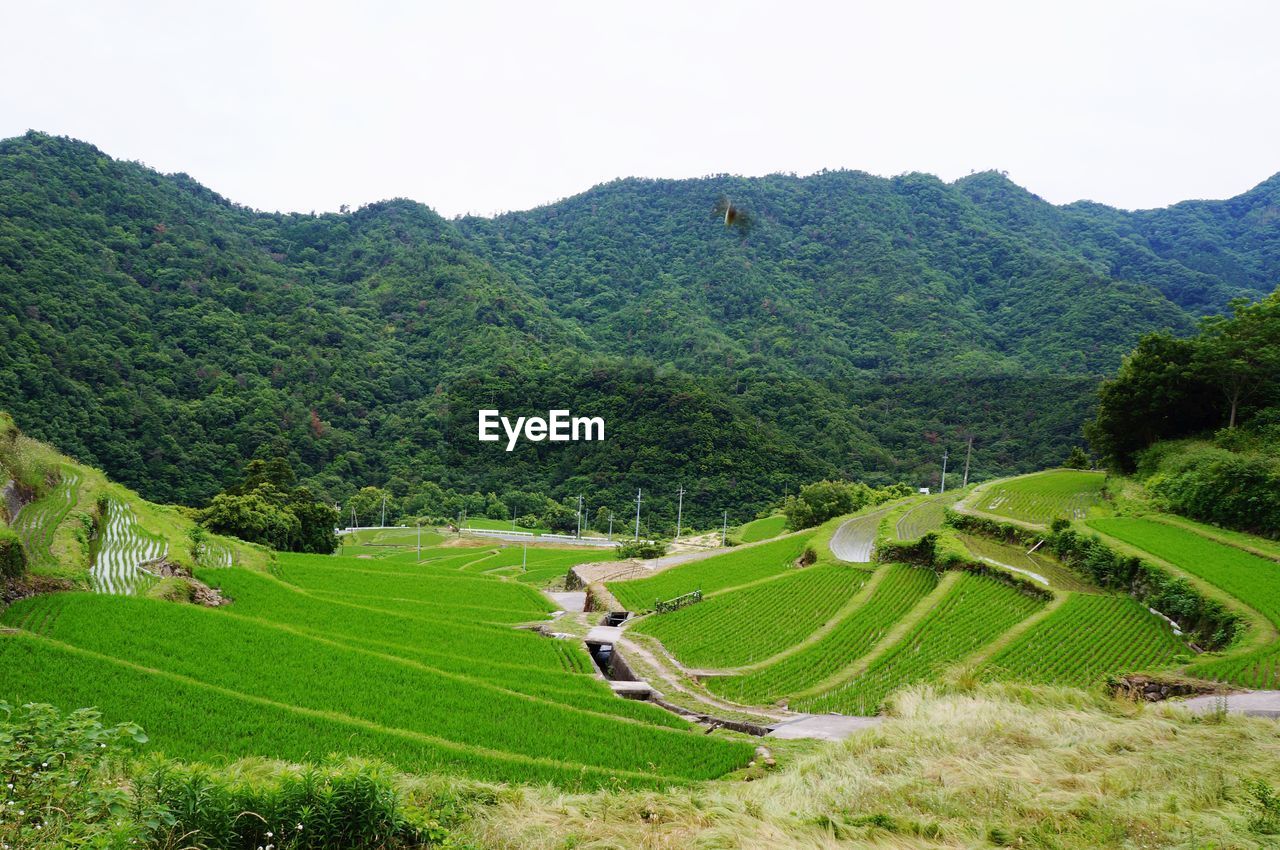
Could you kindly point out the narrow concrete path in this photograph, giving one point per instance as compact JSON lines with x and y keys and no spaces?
{"x":1250,"y":704}
{"x":827,"y":727}
{"x":574,"y":601}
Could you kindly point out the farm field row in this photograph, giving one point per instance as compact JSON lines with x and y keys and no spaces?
{"x":1043,"y":497}
{"x":1252,"y":579}
{"x":37,"y":521}
{"x":747,"y":625}
{"x":1088,"y":638}
{"x":975,"y":611}
{"x":926,"y":516}
{"x":762,"y":529}
{"x":299,"y":666}
{"x":732,"y":569}
{"x":896,"y":590}
{"x":1057,"y":576}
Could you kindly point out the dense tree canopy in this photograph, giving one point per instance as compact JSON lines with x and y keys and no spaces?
{"x":858,"y":328}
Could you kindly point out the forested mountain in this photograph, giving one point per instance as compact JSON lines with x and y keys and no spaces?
{"x":861,"y":325}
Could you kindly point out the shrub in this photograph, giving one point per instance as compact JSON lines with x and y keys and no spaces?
{"x":1219,"y":486}
{"x":13,"y":558}
{"x":642,"y":549}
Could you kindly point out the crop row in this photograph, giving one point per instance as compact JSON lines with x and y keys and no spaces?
{"x":926,"y":516}
{"x":216,"y":723}
{"x":974,"y":612}
{"x":1044,"y":497}
{"x":37,"y":521}
{"x":1088,"y":638}
{"x":123,"y":549}
{"x":752,"y":623}
{"x":900,"y":589}
{"x":1058,"y":575}
{"x":282,"y":667}
{"x":762,"y":529}
{"x":734,"y":568}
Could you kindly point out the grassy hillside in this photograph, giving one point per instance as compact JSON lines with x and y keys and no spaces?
{"x":76,"y":524}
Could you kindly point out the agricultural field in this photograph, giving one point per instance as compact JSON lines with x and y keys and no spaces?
{"x":1086,"y":639}
{"x":392,"y":537}
{"x":1041,"y":498}
{"x":732,"y":569}
{"x":738,"y":627}
{"x":762,"y":529}
{"x":37,"y":521}
{"x":926,"y":516}
{"x":895,"y":590}
{"x":296,"y":667}
{"x":483,"y":524}
{"x":975,"y":611}
{"x":124,"y":547}
{"x":1253,"y":580}
{"x":1036,"y":565}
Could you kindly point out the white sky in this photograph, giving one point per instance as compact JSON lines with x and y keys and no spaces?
{"x":481,"y":107}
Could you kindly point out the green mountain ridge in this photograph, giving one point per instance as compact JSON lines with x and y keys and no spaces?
{"x":155,"y":329}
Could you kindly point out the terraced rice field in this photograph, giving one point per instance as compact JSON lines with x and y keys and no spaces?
{"x":733,"y":569}
{"x":974,"y":612}
{"x":762,"y":529}
{"x":743,"y":626}
{"x":1035,"y":566}
{"x":926,"y":516}
{"x":1253,"y":580}
{"x":1041,"y":498}
{"x":855,"y":539}
{"x":295,"y":669}
{"x":37,"y":521}
{"x":897,"y":590}
{"x":1086,"y":639}
{"x":124,"y":547}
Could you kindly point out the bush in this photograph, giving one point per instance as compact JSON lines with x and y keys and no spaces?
{"x":1219,"y":486}
{"x":642,"y":549}
{"x":13,"y":558}
{"x":50,"y":767}
{"x":823,"y":500}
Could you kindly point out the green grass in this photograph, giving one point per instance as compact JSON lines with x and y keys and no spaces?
{"x":484,"y":524}
{"x":1060,"y":577}
{"x":1253,"y":580}
{"x":1041,"y":498}
{"x":762,"y":529}
{"x":392,"y":537}
{"x":974,"y":612}
{"x":899,"y":589}
{"x":306,"y":669}
{"x":743,"y":626}
{"x":732,"y":569}
{"x":1085,"y":640}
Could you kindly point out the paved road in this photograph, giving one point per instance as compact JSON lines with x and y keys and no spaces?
{"x":1252,"y":704}
{"x":575,"y":601}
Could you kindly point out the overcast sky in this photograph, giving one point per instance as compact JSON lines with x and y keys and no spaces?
{"x":482,"y":107}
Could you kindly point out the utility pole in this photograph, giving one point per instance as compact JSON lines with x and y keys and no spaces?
{"x":638,"y":515}
{"x":384,"y":510}
{"x":579,"y":517}
{"x":724,"y":530}
{"x":353,"y":517}
{"x":679,"y":511}
{"x":944,"y":471}
{"x":524,"y":557}
{"x":419,"y":540}
{"x":967,"y":453}
{"x":610,"y":525}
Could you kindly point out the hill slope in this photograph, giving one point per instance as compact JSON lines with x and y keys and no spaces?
{"x":157,"y":330}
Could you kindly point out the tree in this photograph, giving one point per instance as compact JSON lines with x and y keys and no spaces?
{"x":251,"y":517}
{"x":1240,"y":354}
{"x":1077,"y":459}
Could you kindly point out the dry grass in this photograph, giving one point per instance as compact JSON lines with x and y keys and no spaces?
{"x":997,"y":766}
